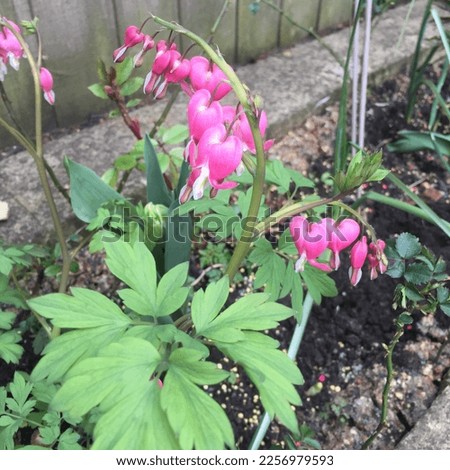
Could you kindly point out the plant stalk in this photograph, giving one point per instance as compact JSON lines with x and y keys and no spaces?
{"x":387,"y":386}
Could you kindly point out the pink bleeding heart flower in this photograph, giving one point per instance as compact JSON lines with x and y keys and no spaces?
{"x":46,"y":81}
{"x":216,"y":156}
{"x":10,"y":48}
{"x":147,"y":45}
{"x":358,"y":257}
{"x":377,"y":259}
{"x":310,"y":240}
{"x":203,"y":113}
{"x":244,"y":132}
{"x":203,"y":75}
{"x":180,"y":71}
{"x":166,"y":56}
{"x":132,"y":36}
{"x":340,"y":236}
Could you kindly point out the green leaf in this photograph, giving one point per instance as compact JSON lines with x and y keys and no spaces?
{"x":68,"y":440}
{"x":84,"y":309}
{"x":318,"y":283}
{"x":131,"y":86}
{"x":408,"y":245}
{"x":271,"y":272}
{"x":6,"y":320}
{"x":251,"y":312}
{"x":297,"y":298}
{"x":413,"y":141}
{"x":135,"y":266}
{"x":175,"y":134}
{"x":124,"y":70}
{"x":417,"y":273}
{"x":271,"y":371}
{"x":87,"y":191}
{"x":196,"y":418}
{"x":10,"y":351}
{"x":118,"y":381}
{"x":98,"y":319}
{"x":405,"y":319}
{"x":97,"y":89}
{"x":157,"y":191}
{"x":171,"y":294}
{"x":207,"y":304}
{"x":134,"y":102}
{"x":442,"y":294}
{"x":125,"y":162}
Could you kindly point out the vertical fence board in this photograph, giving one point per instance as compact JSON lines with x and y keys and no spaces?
{"x":333,"y":13}
{"x":19,"y":85}
{"x":303,"y":12}
{"x":73,"y":39}
{"x":257,"y":32}
{"x":137,"y":11}
{"x":200,"y":15}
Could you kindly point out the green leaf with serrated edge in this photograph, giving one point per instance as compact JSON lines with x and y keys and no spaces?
{"x":413,"y":294}
{"x":124,"y":70}
{"x":191,"y":411}
{"x":445,"y":307}
{"x":318,"y":283}
{"x":286,"y":243}
{"x":396,"y":268}
{"x":10,"y":351}
{"x":131,"y":86}
{"x":171,"y":294}
{"x":106,"y":378}
{"x":157,"y":191}
{"x":68,"y":440}
{"x":417,"y":273}
{"x":20,"y":389}
{"x":207,"y":304}
{"x":407,"y":245}
{"x":175,"y":134}
{"x":272,"y":268}
{"x":288,"y":280}
{"x":71,"y":347}
{"x":118,"y":382}
{"x":251,"y":312}
{"x":6,"y":320}
{"x":97,"y":89}
{"x":83,"y":309}
{"x":87,"y":191}
{"x":271,"y":371}
{"x":195,"y":368}
{"x":442,"y":294}
{"x":135,"y":266}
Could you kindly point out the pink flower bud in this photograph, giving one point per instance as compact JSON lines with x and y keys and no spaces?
{"x":46,"y":81}
{"x":358,"y":257}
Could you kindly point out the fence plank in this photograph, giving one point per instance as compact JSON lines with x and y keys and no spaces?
{"x":304,"y":12}
{"x":257,"y":32}
{"x":19,"y":84}
{"x":200,"y":16}
{"x":333,"y":13}
{"x":73,"y":39}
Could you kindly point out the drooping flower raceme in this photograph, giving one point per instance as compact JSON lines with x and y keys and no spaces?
{"x":46,"y":80}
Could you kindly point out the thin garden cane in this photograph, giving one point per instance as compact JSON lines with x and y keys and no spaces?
{"x":294,"y":346}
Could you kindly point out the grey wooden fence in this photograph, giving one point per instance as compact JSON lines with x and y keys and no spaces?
{"x":76,"y":32}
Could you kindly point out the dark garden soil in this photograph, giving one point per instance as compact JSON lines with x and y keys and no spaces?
{"x":344,"y":336}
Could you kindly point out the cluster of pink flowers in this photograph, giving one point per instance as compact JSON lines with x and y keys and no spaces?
{"x":313,"y":238}
{"x":219,"y":134}
{"x":11,"y":51}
